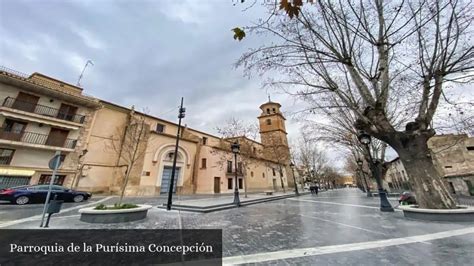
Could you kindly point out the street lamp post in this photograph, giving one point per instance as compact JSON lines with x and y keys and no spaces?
{"x":236,"y":149}
{"x":292,"y":165}
{"x":360,"y":163}
{"x":360,"y":183}
{"x":375,"y":166}
{"x":313,"y":178}
{"x":181,"y":114}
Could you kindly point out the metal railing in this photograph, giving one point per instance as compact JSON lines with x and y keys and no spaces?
{"x":36,"y":138}
{"x":42,"y":110}
{"x":464,"y":200}
{"x":5,"y":160}
{"x":14,"y":72}
{"x":45,"y":83}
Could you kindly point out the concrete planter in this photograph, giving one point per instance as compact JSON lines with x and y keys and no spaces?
{"x":90,"y":215}
{"x":462,"y":214}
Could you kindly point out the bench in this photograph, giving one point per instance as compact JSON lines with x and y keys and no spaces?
{"x":268,"y":193}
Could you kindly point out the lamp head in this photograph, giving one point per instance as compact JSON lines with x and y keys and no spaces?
{"x":235,"y":147}
{"x":364,"y":138}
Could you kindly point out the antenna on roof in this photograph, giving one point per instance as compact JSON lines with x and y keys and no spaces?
{"x":89,"y":62}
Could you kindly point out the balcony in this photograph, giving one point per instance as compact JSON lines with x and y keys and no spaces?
{"x":42,"y":110}
{"x":36,"y":138}
{"x":232,"y":172}
{"x":5,"y":160}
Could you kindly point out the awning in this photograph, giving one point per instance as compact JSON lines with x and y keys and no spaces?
{"x":16,"y":172}
{"x":38,"y":119}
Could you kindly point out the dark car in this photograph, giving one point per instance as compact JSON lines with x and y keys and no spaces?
{"x":407,"y":198}
{"x":37,"y":193}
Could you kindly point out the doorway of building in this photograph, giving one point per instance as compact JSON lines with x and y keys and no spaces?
{"x":217,"y":184}
{"x":12,"y":130}
{"x":166,"y":179}
{"x":26,"y":102}
{"x":274,"y":184}
{"x":67,"y":112}
{"x":57,"y":137}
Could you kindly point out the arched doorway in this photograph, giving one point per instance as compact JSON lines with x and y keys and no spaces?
{"x":166,"y":171}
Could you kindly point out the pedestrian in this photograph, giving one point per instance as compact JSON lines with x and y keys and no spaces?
{"x":316,"y":188}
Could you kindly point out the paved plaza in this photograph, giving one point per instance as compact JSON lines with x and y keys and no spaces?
{"x":340,"y":227}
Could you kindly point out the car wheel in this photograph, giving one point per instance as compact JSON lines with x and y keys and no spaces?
{"x":22,"y":200}
{"x":78,"y":198}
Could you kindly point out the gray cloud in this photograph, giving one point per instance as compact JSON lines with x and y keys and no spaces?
{"x":146,"y":53}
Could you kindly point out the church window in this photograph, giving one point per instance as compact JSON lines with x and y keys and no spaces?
{"x":160,"y":128}
{"x":268,"y":110}
{"x":269,"y":121}
{"x":229,"y":166}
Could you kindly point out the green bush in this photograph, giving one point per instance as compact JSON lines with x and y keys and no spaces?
{"x":116,"y":206}
{"x":100,"y":207}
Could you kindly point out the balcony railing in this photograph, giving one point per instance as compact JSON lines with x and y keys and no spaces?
{"x":5,"y":160}
{"x":36,"y":138}
{"x":42,"y":110}
{"x":232,"y":172}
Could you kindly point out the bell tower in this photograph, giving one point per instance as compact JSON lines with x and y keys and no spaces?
{"x":272,"y":124}
{"x":273,"y":137}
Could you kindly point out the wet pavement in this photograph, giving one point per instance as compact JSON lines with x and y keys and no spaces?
{"x":340,"y":227}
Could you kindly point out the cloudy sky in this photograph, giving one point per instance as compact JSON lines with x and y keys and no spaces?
{"x":145,"y":53}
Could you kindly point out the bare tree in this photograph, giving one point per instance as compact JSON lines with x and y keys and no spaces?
{"x":245,"y":134}
{"x":130,"y":144}
{"x":340,"y":132}
{"x":365,"y":54}
{"x":329,"y":176}
{"x":311,"y":158}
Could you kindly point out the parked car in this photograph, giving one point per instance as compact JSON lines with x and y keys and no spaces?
{"x":407,"y":198}
{"x":37,"y":193}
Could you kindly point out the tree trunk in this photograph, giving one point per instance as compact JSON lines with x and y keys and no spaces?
{"x":426,"y":181}
{"x":245,"y":185}
{"x":412,"y":148}
{"x":124,"y":185}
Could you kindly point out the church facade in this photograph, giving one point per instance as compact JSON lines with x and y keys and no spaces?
{"x":205,"y":163}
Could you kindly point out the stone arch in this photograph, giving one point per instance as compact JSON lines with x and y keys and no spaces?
{"x":163,"y":159}
{"x":166,"y":149}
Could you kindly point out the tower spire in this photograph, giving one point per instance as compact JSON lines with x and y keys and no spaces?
{"x":269,"y":100}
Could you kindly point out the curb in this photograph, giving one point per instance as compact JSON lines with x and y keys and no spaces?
{"x":226,"y":206}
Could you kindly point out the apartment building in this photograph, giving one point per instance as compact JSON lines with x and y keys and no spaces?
{"x":396,"y":178}
{"x":454,"y":157}
{"x":38,"y":116}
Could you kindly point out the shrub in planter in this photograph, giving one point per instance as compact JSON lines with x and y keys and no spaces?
{"x":116,"y":206}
